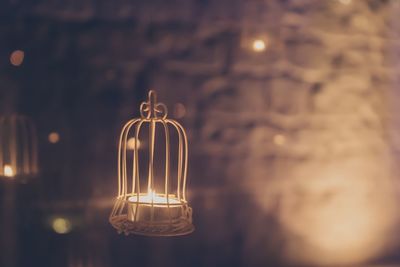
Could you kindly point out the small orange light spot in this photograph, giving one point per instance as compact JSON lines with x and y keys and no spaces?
{"x":132,"y":142}
{"x":17,"y":57}
{"x":54,"y":137}
{"x":259,"y":45}
{"x":179,"y":110}
{"x":279,"y":139}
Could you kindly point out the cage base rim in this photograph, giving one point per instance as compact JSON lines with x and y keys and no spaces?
{"x":179,"y":228}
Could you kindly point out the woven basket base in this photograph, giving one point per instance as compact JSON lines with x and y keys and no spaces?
{"x":176,"y":228}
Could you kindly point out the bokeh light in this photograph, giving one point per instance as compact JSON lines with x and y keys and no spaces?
{"x":259,"y":45}
{"x":17,"y":57}
{"x":8,"y":171}
{"x":61,"y":225}
{"x":54,"y":137}
{"x":132,"y":142}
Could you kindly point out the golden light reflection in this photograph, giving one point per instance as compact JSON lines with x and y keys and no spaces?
{"x":259,"y":45}
{"x":61,"y":225}
{"x":131,"y":143}
{"x":8,"y":171}
{"x":17,"y":57}
{"x":54,"y":137}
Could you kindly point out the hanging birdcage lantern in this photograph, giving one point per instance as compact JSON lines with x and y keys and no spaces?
{"x":18,"y":148}
{"x":152,"y":202}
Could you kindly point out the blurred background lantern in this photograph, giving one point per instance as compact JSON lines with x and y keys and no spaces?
{"x":18,"y":147}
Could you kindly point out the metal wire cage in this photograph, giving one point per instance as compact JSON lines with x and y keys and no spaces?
{"x":18,"y":148}
{"x":152,"y":204}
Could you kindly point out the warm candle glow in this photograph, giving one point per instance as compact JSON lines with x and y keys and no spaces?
{"x":8,"y":171}
{"x":259,"y":45}
{"x":152,"y":197}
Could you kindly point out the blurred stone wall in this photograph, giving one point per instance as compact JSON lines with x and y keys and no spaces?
{"x":293,"y":148}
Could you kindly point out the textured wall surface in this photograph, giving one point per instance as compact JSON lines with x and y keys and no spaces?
{"x":293,"y":149}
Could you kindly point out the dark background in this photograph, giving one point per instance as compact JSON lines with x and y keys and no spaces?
{"x":292,"y":149}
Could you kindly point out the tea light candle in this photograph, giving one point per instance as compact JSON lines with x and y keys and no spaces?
{"x":153,"y":207}
{"x":153,"y":198}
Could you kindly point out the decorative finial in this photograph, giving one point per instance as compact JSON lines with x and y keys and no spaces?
{"x":153,"y":110}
